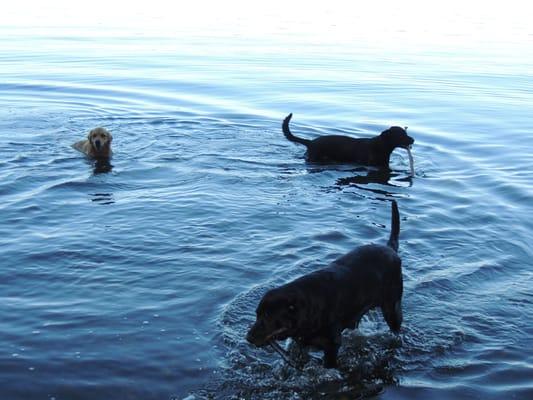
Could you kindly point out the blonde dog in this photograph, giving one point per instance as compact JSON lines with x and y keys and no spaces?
{"x":97,"y":144}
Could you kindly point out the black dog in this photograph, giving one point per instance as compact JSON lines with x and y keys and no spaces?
{"x":375,"y":151}
{"x":315,"y":308}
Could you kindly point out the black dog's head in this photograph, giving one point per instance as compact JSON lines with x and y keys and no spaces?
{"x":397,"y":137}
{"x":276,"y":318}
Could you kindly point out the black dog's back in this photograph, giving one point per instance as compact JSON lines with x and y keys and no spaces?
{"x":374,"y":151}
{"x":331,"y":147}
{"x":336,"y":148}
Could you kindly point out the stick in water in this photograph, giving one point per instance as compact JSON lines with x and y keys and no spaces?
{"x":283,"y":355}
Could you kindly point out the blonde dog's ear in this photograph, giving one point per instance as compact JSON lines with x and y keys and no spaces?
{"x":89,"y":134}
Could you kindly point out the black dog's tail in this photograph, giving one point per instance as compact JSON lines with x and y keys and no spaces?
{"x":395,"y":227}
{"x":289,"y":135}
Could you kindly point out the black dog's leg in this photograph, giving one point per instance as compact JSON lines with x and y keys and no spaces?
{"x":392,"y":301}
{"x":331,"y":347}
{"x":330,"y":355}
{"x":392,"y":312}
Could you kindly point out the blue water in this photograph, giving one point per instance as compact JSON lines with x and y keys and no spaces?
{"x":140,"y":282}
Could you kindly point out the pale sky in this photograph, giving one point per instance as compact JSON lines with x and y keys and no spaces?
{"x":392,"y":25}
{"x":497,"y":17}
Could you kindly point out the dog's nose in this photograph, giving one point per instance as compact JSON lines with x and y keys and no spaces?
{"x":253,"y":335}
{"x":97,"y":143}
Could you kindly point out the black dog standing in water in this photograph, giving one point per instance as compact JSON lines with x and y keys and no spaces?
{"x":315,"y":308}
{"x":375,"y":151}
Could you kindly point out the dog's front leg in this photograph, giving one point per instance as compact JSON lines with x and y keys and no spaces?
{"x":332,"y":343}
{"x":330,"y":355}
{"x":331,"y":346}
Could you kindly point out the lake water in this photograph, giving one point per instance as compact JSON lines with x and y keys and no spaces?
{"x":140,"y":282}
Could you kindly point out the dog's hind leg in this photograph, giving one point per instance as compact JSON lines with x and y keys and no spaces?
{"x":392,"y":312}
{"x":392,"y":299}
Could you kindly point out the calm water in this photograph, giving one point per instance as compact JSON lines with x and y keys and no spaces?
{"x":140,"y":282}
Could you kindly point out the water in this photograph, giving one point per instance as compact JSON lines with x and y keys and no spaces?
{"x":140,"y":282}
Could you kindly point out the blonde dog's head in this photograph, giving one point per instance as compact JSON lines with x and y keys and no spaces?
{"x":100,"y":140}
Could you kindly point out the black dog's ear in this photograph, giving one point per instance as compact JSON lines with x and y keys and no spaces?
{"x":405,"y":128}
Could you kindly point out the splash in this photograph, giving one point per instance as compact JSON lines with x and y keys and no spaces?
{"x":367,"y":362}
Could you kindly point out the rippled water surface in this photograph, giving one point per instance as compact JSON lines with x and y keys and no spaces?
{"x":139,"y":281}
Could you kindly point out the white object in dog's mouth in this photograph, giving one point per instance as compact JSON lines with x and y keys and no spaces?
{"x":411,"y":161}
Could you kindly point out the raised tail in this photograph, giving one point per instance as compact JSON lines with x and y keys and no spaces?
{"x":289,"y":135}
{"x":395,"y":227}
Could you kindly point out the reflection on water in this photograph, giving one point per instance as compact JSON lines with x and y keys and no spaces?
{"x":360,"y":180}
{"x":381,"y":182}
{"x":102,"y":198}
{"x":381,"y":176}
{"x":102,"y":166}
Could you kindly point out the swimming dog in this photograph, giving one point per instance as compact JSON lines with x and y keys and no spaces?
{"x":374,"y":151}
{"x":97,"y":144}
{"x":314,"y":309}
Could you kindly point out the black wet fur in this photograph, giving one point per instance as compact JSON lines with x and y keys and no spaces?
{"x":315,"y":308}
{"x":374,"y":151}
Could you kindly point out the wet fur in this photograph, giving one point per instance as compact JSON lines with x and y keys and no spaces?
{"x":315,"y":308}
{"x":89,"y":146}
{"x":374,"y":151}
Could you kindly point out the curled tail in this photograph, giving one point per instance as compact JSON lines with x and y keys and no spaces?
{"x":395,"y":227}
{"x":289,"y":135}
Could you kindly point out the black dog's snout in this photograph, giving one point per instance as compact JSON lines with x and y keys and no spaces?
{"x":251,"y":336}
{"x":255,"y":334}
